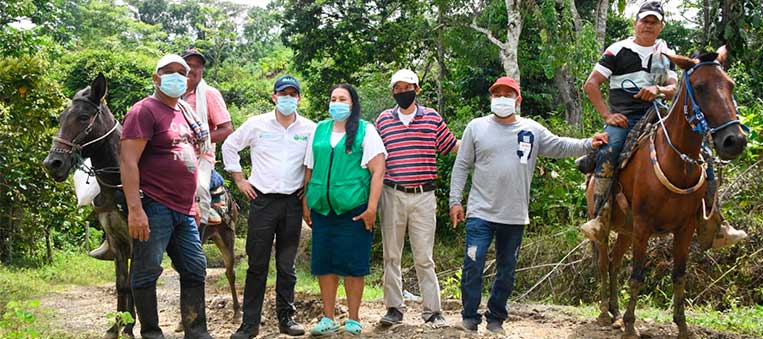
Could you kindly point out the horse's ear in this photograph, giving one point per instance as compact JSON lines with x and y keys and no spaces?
{"x":681,"y":61}
{"x":98,"y":89}
{"x":722,"y":54}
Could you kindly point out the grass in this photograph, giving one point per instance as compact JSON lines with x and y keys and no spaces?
{"x":66,"y":270}
{"x":743,"y":320}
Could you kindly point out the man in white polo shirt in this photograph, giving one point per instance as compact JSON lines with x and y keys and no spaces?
{"x":277,"y":142}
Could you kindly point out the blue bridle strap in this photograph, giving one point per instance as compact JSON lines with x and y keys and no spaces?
{"x":697,"y":120}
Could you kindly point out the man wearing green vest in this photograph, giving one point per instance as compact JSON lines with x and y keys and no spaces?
{"x":345,"y":169}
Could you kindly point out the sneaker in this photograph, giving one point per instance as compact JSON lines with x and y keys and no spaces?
{"x":437,"y":321}
{"x":727,"y":236}
{"x":352,"y":327}
{"x":246,"y":331}
{"x":495,"y":327}
{"x":325,"y":327}
{"x":393,"y":317}
{"x":468,"y":325}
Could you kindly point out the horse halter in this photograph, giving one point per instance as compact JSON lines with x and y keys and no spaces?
{"x":74,"y":146}
{"x":697,"y":120}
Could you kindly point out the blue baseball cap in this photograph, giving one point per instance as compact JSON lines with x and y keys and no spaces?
{"x":284,"y":82}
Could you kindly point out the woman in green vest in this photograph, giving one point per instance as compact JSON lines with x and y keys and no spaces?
{"x":345,"y":161}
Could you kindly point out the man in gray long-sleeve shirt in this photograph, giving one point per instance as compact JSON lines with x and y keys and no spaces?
{"x":503,"y":149}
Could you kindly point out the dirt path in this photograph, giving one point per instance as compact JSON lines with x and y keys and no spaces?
{"x":80,"y":312}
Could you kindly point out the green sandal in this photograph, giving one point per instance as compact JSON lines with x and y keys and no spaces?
{"x":352,"y":327}
{"x":325,"y":327}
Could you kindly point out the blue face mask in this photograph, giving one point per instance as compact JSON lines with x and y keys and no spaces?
{"x":286,"y":104}
{"x":173,"y":85}
{"x":339,"y":111}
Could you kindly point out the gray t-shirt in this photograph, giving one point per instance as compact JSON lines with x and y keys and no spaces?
{"x":503,"y":157}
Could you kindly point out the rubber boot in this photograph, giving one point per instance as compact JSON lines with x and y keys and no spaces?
{"x":587,"y":163}
{"x":145,"y":307}
{"x":593,"y":229}
{"x":103,"y":252}
{"x":715,"y":232}
{"x":193,"y":312}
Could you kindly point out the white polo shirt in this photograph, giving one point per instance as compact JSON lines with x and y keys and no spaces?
{"x":277,"y":153}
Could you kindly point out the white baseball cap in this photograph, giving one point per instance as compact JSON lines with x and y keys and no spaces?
{"x":405,"y":75}
{"x":169,"y":59}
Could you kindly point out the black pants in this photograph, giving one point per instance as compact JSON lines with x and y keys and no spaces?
{"x":279,"y":217}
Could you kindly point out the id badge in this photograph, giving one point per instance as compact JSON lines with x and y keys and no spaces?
{"x":525,"y":148}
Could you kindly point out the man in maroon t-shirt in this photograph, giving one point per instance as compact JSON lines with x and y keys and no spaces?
{"x":158,"y":163}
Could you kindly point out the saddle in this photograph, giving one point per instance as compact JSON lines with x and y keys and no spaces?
{"x":638,"y":134}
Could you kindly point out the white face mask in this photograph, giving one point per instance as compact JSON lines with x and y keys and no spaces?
{"x":503,"y":106}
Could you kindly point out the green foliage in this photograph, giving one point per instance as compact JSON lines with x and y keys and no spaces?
{"x":120,"y":319}
{"x":17,"y":320}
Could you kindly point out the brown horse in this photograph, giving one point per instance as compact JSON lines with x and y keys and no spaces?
{"x":661,"y":188}
{"x":87,"y":129}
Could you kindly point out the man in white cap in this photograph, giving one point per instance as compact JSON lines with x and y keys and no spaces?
{"x":413,"y":135}
{"x":161,"y":140}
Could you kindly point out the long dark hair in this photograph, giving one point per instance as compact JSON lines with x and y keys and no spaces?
{"x":351,"y":126}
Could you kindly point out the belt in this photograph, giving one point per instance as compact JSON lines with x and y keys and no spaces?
{"x":296,"y":193}
{"x":426,"y":187}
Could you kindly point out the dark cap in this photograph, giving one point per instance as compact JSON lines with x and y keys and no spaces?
{"x":284,"y":82}
{"x":194,"y":52}
{"x":651,"y":8}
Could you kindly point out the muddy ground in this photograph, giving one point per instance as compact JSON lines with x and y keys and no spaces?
{"x":80,"y":312}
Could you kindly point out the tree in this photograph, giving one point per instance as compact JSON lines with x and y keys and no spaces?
{"x":507,"y":50}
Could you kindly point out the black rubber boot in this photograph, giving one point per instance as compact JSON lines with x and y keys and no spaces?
{"x":586,"y":163}
{"x":287,"y":324}
{"x":145,"y":307}
{"x":193,"y":312}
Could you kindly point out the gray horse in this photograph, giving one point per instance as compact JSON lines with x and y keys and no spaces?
{"x":88,"y":130}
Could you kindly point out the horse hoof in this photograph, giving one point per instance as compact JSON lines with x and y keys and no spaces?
{"x":630,"y":336}
{"x":179,"y":327}
{"x":604,"y":320}
{"x":111,"y":333}
{"x":687,"y":336}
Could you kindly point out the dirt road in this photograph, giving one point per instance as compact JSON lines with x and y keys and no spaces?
{"x":80,"y":313}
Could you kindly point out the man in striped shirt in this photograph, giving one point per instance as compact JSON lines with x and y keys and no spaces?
{"x":413,"y":135}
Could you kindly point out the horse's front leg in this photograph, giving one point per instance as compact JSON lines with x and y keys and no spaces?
{"x":681,"y":243}
{"x":119,"y":241}
{"x":640,"y":242}
{"x":604,"y":318}
{"x":621,"y":246}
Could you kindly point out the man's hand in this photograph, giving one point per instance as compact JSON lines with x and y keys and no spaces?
{"x":599,"y":139}
{"x":306,"y":214}
{"x":617,"y":120}
{"x":137,"y":224}
{"x":368,"y":217}
{"x":456,"y":215}
{"x":246,"y":188}
{"x":648,"y":93}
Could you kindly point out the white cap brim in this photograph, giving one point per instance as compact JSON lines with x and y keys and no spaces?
{"x":169,"y":59}
{"x":645,"y":14}
{"x":404,"y":75}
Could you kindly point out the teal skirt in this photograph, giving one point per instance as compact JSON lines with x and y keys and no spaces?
{"x":340,"y":245}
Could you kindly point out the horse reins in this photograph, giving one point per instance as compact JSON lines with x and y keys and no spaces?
{"x":75,"y":148}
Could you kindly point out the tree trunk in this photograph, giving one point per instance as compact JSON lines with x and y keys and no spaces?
{"x":569,"y":95}
{"x":440,"y":60}
{"x":513,"y":30}
{"x":602,"y":12}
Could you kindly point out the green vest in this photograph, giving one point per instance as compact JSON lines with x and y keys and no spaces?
{"x":338,"y":182}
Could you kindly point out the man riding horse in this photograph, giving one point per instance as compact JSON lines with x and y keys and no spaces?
{"x":639,"y":73}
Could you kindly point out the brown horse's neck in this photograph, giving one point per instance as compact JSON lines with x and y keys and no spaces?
{"x":684,"y":139}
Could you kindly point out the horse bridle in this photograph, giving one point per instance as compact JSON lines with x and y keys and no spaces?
{"x":74,"y":146}
{"x":697,"y":120}
{"x":75,"y":149}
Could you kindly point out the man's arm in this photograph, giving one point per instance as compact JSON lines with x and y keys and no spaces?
{"x":223,"y":131}
{"x":137,"y":221}
{"x":592,"y":88}
{"x":237,"y":141}
{"x":459,"y":174}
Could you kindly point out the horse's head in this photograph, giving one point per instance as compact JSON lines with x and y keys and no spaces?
{"x":80,"y":123}
{"x":709,"y":102}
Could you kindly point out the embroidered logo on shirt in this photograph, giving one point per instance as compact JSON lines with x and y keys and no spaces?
{"x":298,"y":137}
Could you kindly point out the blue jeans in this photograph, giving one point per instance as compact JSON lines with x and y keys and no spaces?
{"x":178,"y":235}
{"x":609,"y":153}
{"x":479,"y":235}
